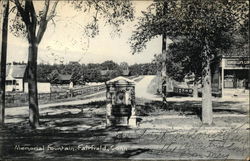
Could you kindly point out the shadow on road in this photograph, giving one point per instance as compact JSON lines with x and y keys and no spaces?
{"x":81,"y":134}
{"x":145,"y":108}
{"x":79,"y":131}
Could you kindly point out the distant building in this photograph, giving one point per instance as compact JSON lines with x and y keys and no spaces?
{"x":106,"y":72}
{"x":15,"y":77}
{"x":233,"y":71}
{"x":64,"y":78}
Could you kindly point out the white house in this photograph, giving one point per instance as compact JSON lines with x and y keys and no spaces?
{"x":15,"y":77}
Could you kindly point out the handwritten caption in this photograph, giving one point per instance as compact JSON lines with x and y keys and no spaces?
{"x":81,"y":147}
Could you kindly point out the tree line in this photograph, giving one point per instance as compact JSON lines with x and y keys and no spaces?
{"x":92,"y":72}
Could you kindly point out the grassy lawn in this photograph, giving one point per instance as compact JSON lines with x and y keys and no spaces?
{"x":172,"y":131}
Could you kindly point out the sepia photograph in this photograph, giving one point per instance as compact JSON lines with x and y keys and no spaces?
{"x":124,"y":80}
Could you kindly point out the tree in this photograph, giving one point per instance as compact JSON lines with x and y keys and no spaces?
{"x":210,"y":23}
{"x":33,"y":21}
{"x":124,"y":65}
{"x":183,"y":60}
{"x":43,"y":71}
{"x":3,"y":58}
{"x":75,"y":72}
{"x":53,"y":76}
{"x":109,"y":65}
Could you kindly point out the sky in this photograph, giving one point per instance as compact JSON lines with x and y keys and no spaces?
{"x":65,"y":41}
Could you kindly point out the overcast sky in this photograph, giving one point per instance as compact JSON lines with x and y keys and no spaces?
{"x":66,"y":42}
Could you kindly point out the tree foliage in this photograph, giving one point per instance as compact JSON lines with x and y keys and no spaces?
{"x":197,"y":19}
{"x":114,"y":13}
{"x":154,"y":22}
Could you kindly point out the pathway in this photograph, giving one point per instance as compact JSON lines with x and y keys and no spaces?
{"x":142,"y":86}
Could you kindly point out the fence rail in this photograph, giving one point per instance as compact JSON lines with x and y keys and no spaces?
{"x":23,"y":97}
{"x":183,"y":91}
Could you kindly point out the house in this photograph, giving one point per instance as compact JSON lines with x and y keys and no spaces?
{"x":15,"y":77}
{"x":64,"y":78}
{"x":106,"y":72}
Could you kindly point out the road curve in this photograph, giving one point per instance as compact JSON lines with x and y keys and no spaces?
{"x":142,"y":86}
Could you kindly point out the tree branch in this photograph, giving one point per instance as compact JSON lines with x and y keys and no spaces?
{"x":45,"y":10}
{"x":45,"y":19}
{"x":33,"y":13}
{"x":52,"y":12}
{"x":29,"y":8}
{"x":22,"y":12}
{"x":31,"y":16}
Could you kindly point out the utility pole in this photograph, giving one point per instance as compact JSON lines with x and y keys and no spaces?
{"x":5,"y":4}
{"x":164,"y":52}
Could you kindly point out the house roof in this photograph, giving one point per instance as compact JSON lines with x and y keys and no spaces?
{"x":121,"y":80}
{"x":17,"y":71}
{"x":64,"y":77}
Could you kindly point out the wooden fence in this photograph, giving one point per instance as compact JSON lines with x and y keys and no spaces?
{"x":23,"y":97}
{"x":183,"y":91}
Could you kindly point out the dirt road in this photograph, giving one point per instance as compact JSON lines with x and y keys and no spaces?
{"x":142,"y":86}
{"x":10,"y":113}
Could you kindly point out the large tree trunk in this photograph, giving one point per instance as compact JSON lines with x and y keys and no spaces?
{"x":207,"y":109}
{"x":32,"y":85}
{"x":3,"y":59}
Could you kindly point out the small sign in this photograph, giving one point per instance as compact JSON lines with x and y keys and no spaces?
{"x":238,"y":62}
